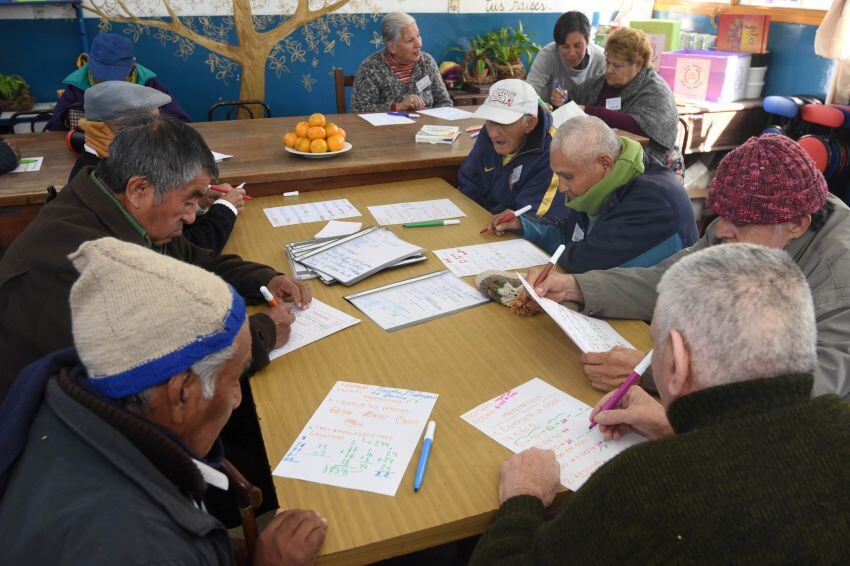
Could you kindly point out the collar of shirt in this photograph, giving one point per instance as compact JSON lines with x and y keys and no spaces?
{"x":138,"y":227}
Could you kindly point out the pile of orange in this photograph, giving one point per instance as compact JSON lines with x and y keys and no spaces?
{"x":317,"y":135}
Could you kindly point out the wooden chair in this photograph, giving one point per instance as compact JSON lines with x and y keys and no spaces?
{"x":250,"y":498}
{"x":237,"y":106}
{"x":340,"y":82}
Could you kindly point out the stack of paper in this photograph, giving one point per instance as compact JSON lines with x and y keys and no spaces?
{"x":437,"y":134}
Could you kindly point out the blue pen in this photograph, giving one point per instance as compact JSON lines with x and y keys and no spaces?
{"x":560,"y":88}
{"x":423,"y":456}
{"x":405,"y":114}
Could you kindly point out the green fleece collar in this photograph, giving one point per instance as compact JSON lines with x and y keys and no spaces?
{"x":80,"y":78}
{"x":628,"y":166}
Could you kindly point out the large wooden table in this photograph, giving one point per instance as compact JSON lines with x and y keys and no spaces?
{"x":467,"y":358}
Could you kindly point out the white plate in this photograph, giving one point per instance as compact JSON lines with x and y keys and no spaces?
{"x":345,"y":148}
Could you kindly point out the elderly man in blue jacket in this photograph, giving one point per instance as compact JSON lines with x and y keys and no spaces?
{"x":632,"y":211}
{"x":508,"y":168}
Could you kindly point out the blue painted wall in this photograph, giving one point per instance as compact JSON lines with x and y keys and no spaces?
{"x":44,"y":51}
{"x":794,"y":68}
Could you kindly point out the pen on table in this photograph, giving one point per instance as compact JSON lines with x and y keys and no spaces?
{"x":621,"y":391}
{"x":404,"y":114}
{"x":423,"y":456}
{"x":552,"y":261}
{"x":508,"y":216}
{"x":291,"y":194}
{"x":223,"y":190}
{"x":475,"y":128}
{"x":432,"y":223}
{"x":474,"y":134}
{"x":27,"y":160}
{"x":267,"y":295}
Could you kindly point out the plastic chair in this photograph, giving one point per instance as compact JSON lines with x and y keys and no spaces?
{"x":818,"y":149}
{"x":340,"y":82}
{"x":236,"y":106}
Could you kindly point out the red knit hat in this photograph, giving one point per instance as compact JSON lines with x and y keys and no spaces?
{"x":767,"y":180}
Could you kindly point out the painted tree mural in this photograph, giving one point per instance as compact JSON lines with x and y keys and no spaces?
{"x":258,"y":39}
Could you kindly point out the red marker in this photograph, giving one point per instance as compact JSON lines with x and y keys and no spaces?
{"x":507,"y":217}
{"x":267,"y":295}
{"x":546,"y":270}
{"x":223,"y":190}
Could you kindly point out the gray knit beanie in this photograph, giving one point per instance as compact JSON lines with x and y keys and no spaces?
{"x":140,"y":317}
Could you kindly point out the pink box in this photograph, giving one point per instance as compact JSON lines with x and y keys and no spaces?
{"x":714,"y":76}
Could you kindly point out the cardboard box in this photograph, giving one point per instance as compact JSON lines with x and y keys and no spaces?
{"x":670,"y":29}
{"x":706,"y":75}
{"x":742,"y":33}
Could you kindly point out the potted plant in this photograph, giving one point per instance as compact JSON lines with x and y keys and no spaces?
{"x":507,"y":46}
{"x":477,"y":66}
{"x":14,"y":94}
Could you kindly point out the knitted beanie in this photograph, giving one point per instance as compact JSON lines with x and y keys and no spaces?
{"x":139,"y":317}
{"x":767,"y":180}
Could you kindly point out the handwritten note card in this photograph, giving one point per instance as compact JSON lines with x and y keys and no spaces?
{"x":318,"y":321}
{"x":472,"y":260}
{"x":360,"y":437}
{"x":310,"y":212}
{"x":537,"y":415}
{"x":384,"y":119}
{"x":28,"y":165}
{"x":419,"y":211}
{"x":589,"y":334}
{"x":410,"y":302}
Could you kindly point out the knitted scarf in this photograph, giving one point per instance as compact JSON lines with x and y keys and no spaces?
{"x":98,"y":136}
{"x":628,"y":166}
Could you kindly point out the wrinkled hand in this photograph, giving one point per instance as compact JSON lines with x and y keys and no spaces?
{"x":559,"y":97}
{"x":286,"y":287}
{"x":411,"y":103}
{"x":559,"y":287}
{"x":531,"y":472}
{"x":607,"y":370}
{"x":236,"y":197}
{"x":283,"y":318}
{"x":512,"y":225}
{"x":292,"y":538}
{"x":637,"y":411}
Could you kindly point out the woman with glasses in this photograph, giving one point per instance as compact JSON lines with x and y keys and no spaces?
{"x":568,"y":61}
{"x":631,"y":96}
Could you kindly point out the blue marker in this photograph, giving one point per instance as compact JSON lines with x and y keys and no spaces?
{"x":423,"y":456}
{"x":560,"y":88}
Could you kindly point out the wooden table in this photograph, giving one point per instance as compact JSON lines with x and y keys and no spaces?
{"x":715,"y":126}
{"x":467,"y":358}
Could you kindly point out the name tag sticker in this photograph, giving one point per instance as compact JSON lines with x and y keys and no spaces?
{"x":578,"y":234}
{"x":614,"y":103}
{"x":515,"y":174}
{"x":423,"y":83}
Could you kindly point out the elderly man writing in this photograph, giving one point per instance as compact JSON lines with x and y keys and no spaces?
{"x":113,"y":441}
{"x":632,"y":211}
{"x":743,"y":466}
{"x":766,"y":192}
{"x":508,"y":167}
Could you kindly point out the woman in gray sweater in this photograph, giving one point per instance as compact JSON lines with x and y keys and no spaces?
{"x":568,"y":61}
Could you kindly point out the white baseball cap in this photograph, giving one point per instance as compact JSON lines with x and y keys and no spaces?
{"x":508,"y":101}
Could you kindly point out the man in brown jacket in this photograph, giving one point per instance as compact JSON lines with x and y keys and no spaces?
{"x":766,"y":192}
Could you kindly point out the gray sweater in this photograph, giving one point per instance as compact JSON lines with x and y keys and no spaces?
{"x":376,"y":87}
{"x":549,"y":67}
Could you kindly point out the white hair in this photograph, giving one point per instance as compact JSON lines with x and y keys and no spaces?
{"x":207,"y":369}
{"x":393,"y":23}
{"x":586,"y":138}
{"x":744,"y":310}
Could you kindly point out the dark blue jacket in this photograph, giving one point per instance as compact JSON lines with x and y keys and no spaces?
{"x":483,"y":178}
{"x":8,"y":157}
{"x":639,"y":225}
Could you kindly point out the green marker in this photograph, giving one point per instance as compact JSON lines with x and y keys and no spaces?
{"x":432,"y":223}
{"x":27,"y":160}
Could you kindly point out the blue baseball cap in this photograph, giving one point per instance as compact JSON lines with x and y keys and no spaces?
{"x":111,"y":57}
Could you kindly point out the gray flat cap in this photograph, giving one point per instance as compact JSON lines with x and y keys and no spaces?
{"x":112,"y":98}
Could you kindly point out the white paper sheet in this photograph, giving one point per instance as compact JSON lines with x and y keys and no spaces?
{"x":219,"y":157}
{"x":508,"y":254}
{"x":419,"y":211}
{"x":589,"y":334}
{"x":418,"y":300}
{"x":565,"y":112}
{"x":28,"y":165}
{"x":360,"y":437}
{"x":336,"y":228}
{"x":317,"y":322}
{"x":448,"y":113}
{"x":384,"y":119}
{"x":537,"y":415}
{"x":310,"y":212}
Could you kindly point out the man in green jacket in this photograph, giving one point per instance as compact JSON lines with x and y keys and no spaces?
{"x":743,"y":466}
{"x":766,"y":192}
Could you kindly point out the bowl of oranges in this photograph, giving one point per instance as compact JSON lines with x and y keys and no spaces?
{"x":316,"y":138}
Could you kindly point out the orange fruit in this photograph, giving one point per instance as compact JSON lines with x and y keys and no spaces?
{"x":301,"y":129}
{"x":318,"y":145}
{"x":331,"y":129}
{"x":340,"y":132}
{"x":302,"y":145}
{"x":317,"y":119}
{"x":335,"y":142}
{"x":289,"y":139}
{"x":316,"y":132}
